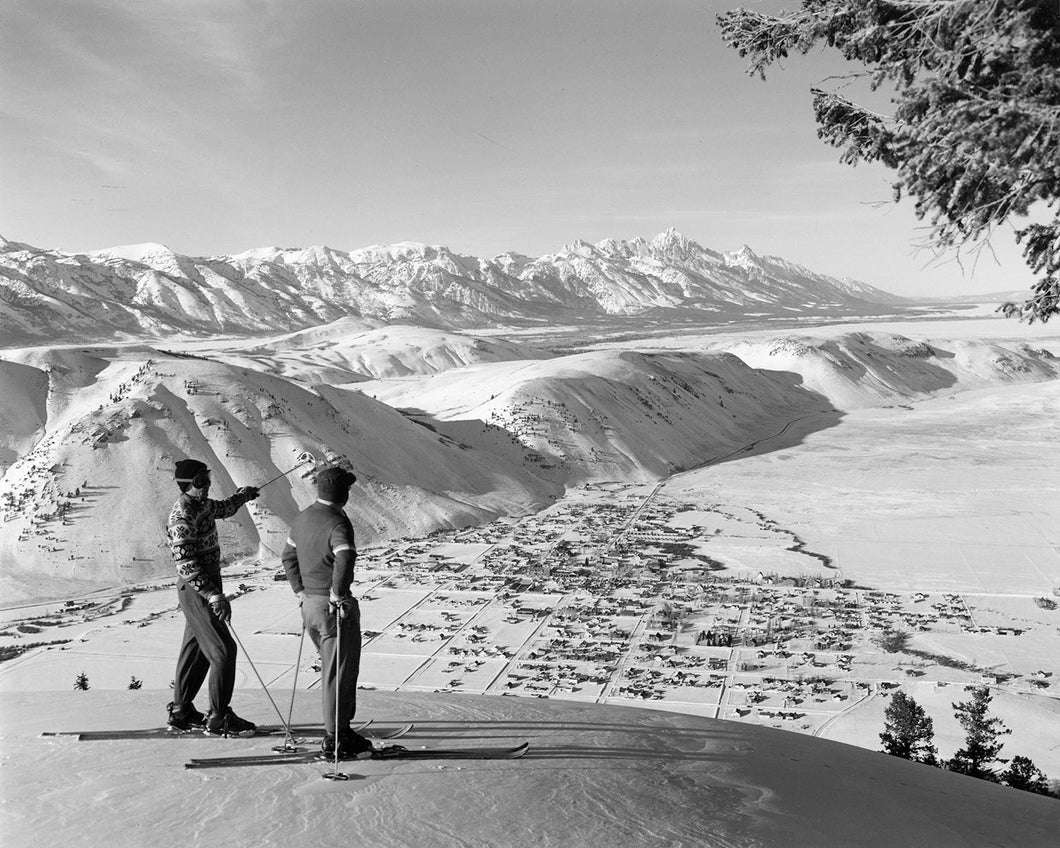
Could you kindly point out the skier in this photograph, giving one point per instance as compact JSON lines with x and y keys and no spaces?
{"x":319,"y":559}
{"x":207,"y":644}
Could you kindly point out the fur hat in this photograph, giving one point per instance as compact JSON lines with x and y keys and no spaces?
{"x":187,"y":469}
{"x":333,"y":484}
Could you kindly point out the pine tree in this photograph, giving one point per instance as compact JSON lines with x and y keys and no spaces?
{"x":974,"y":134}
{"x":1023,"y":774}
{"x":81,"y":682}
{"x":982,"y":742}
{"x":908,"y":731}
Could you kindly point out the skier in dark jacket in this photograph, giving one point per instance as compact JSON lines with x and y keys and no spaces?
{"x":319,"y":558}
{"x":207,"y":645}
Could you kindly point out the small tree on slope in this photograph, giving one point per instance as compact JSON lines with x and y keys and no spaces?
{"x":974,"y":136}
{"x":908,"y":731}
{"x":1023,"y":774}
{"x":983,"y":733}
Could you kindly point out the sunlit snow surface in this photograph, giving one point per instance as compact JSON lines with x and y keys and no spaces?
{"x":594,"y":776}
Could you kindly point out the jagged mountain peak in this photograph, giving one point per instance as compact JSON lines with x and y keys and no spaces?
{"x":512,"y":256}
{"x":668,"y":247}
{"x":615,"y":247}
{"x":49,"y":295}
{"x":744,"y":258}
{"x":671,"y":240}
{"x":579,"y":247}
{"x":667,"y":244}
{"x":403,"y":251}
{"x":7,"y":245}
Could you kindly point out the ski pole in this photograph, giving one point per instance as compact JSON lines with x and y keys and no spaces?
{"x":336,"y":775}
{"x":289,"y":742}
{"x":286,"y":727}
{"x":303,"y":458}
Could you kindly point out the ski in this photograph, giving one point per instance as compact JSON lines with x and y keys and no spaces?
{"x":392,"y":734}
{"x":296,"y":755}
{"x":399,"y":752}
{"x":313,"y":730}
{"x":294,"y":758}
{"x":391,"y":752}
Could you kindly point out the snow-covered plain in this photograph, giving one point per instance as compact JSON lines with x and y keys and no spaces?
{"x":912,"y":458}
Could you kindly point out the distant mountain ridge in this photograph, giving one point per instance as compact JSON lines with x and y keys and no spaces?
{"x":147,"y":290}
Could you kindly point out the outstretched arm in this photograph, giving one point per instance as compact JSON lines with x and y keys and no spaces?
{"x":230,"y":506}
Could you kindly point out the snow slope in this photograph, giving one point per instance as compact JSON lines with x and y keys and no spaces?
{"x":595,"y":777}
{"x":614,"y":415}
{"x":89,"y":501}
{"x":868,"y":368}
{"x":334,"y":354}
{"x":24,"y":412}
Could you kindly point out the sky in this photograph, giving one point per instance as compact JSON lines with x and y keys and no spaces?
{"x":215,"y":126}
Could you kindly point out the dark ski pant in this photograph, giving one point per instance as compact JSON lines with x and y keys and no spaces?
{"x":320,"y":625}
{"x":207,"y":647}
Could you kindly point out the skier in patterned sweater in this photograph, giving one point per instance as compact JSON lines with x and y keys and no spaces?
{"x":319,"y":558}
{"x":207,"y":646}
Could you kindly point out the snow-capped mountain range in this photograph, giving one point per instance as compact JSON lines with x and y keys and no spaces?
{"x":148,"y":290}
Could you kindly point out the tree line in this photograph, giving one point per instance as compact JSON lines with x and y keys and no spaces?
{"x":909,"y":733}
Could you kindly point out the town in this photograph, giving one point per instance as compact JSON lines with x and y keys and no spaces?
{"x":619,"y":594}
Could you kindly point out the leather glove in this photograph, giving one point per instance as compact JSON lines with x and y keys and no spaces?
{"x":250,"y":492}
{"x":221,"y":608}
{"x":341,"y":605}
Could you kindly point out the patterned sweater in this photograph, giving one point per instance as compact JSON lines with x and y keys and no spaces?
{"x":193,"y":540}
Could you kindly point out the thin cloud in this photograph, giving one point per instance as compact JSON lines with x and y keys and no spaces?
{"x":219,"y":40}
{"x":107,"y":166}
{"x":124,"y":84}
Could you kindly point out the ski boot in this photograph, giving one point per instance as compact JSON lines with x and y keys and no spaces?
{"x":227,"y":723}
{"x":184,"y":719}
{"x":351,"y":746}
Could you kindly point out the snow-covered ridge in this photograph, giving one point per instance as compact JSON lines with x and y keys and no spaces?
{"x":148,"y":290}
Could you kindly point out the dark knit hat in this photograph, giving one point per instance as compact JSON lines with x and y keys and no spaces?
{"x":188,"y":468}
{"x":333,"y":484}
